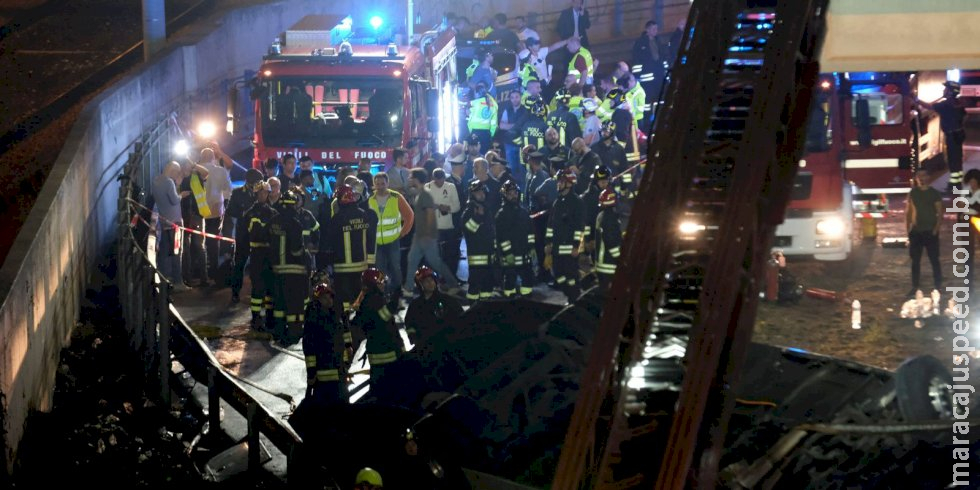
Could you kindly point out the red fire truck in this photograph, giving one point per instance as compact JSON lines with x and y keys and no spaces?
{"x":863,"y":142}
{"x":327,"y":92}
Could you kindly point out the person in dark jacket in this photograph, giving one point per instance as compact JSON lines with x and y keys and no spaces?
{"x":564,"y":234}
{"x":515,"y":240}
{"x":290,"y":262}
{"x":375,"y":317}
{"x":574,"y":21}
{"x":258,"y":217}
{"x":478,"y":231}
{"x":241,"y":199}
{"x":609,"y":238}
{"x":590,"y":203}
{"x":430,"y":313}
{"x":327,"y":347}
{"x":351,"y":244}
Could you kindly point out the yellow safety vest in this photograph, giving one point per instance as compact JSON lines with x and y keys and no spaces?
{"x":483,"y":115}
{"x":197,"y":188}
{"x":638,"y":100}
{"x":389,"y":222}
{"x":587,"y":56}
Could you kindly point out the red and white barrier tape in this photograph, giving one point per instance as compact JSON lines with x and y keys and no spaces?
{"x":175,"y":225}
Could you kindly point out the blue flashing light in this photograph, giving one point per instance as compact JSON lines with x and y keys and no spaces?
{"x":864,"y":76}
{"x":376,"y":22}
{"x":796,"y":350}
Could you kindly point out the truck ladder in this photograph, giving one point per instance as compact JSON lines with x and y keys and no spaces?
{"x":679,"y":316}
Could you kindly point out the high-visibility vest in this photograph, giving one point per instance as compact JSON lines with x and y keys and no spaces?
{"x":638,"y":101}
{"x":483,"y":114}
{"x":390,"y":221}
{"x":472,"y":68}
{"x":587,"y":56}
{"x":200,"y":196}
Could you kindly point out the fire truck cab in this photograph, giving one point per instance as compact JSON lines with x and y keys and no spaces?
{"x":325,"y":92}
{"x":864,"y":141}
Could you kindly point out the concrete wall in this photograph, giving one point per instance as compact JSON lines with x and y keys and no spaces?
{"x":73,"y":222}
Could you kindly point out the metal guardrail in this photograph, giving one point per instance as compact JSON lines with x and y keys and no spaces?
{"x":155,"y":326}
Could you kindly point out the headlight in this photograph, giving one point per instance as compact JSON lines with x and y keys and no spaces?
{"x":690,"y":228}
{"x":830,"y":226}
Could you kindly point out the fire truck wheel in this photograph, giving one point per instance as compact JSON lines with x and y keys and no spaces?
{"x":923,"y":389}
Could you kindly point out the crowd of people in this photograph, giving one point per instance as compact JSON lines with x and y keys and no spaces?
{"x":536,"y":195}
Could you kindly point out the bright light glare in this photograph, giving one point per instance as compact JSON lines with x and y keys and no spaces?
{"x":825,"y":84}
{"x":953,"y":75}
{"x":267,"y":73}
{"x":182,"y":148}
{"x":206,"y":129}
{"x":690,"y":228}
{"x":397,"y":73}
{"x":394,"y":118}
{"x":830,"y":226}
{"x":376,"y":21}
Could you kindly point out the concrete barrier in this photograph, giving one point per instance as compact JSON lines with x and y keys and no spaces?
{"x":73,"y":223}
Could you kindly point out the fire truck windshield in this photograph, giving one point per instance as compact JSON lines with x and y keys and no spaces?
{"x":884,"y":103}
{"x":338,"y":112}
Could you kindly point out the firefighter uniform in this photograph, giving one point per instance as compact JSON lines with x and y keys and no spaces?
{"x":612,"y":154}
{"x":242,"y":198}
{"x":609,"y":239}
{"x":327,"y":343}
{"x":566,"y":124}
{"x":515,"y":240}
{"x":311,"y":236}
{"x":478,"y":231}
{"x":258,"y":217}
{"x":384,"y":344}
{"x":565,"y":226}
{"x":289,"y":266}
{"x":428,"y":317}
{"x":531,"y":132}
{"x":351,"y":236}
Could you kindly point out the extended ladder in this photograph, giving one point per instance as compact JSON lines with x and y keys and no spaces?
{"x":682,"y":304}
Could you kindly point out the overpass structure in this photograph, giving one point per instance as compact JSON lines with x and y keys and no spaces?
{"x":44,"y":278}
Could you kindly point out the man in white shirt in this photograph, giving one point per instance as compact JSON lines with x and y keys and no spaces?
{"x":523,"y":31}
{"x":537,"y":57}
{"x":217,"y":189}
{"x":447,"y":204}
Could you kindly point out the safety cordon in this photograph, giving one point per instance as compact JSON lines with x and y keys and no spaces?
{"x":137,"y":216}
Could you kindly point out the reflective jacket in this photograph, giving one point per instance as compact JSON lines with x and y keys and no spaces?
{"x":609,"y":238}
{"x":390,"y":220}
{"x":376,"y":319}
{"x":565,"y":224}
{"x":289,"y":254}
{"x":478,"y":231}
{"x":351,"y":239}
{"x":326,"y":340}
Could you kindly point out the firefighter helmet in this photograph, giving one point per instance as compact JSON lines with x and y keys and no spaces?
{"x":373,"y":277}
{"x":563,"y":96}
{"x":608,"y":129}
{"x":346,"y":195}
{"x":321,"y":289}
{"x":954,"y":86}
{"x":476,"y":185}
{"x":508,"y":185}
{"x":607,"y":198}
{"x":601,"y":172}
{"x":369,"y":476}
{"x":539,"y":109}
{"x":423,"y":272}
{"x":616,"y":97}
{"x":530,"y":101}
{"x":566,"y":176}
{"x":288,"y":198}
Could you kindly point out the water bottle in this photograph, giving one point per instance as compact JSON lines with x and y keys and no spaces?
{"x":935,"y":301}
{"x":856,"y":315}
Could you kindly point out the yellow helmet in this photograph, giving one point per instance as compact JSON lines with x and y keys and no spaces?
{"x":369,"y":476}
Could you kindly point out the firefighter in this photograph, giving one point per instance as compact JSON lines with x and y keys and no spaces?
{"x":478,"y":231}
{"x":289,"y":266}
{"x":590,"y":203}
{"x":622,"y":116}
{"x":368,"y":479}
{"x":311,"y":230}
{"x":482,"y":118}
{"x":258,"y":217}
{"x":586,"y":161}
{"x":610,"y":152}
{"x":515,"y":239}
{"x":552,"y":147}
{"x":952,"y":113}
{"x":375,"y":317}
{"x":609,"y":238}
{"x":562,"y":120}
{"x":351,"y":245}
{"x":564,"y":234}
{"x":533,"y":129}
{"x":241,"y":199}
{"x":432,"y":311}
{"x":327,"y":347}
